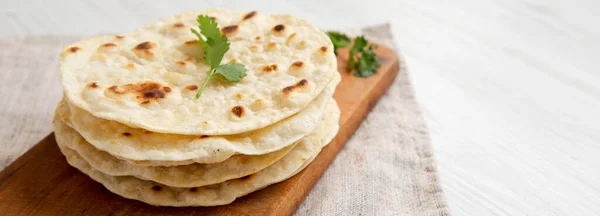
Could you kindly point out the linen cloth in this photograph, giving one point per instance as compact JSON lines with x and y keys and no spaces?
{"x":386,"y":168}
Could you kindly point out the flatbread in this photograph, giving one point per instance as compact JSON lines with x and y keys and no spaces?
{"x":192,"y":175}
{"x":219,"y":194}
{"x":142,"y":147}
{"x":148,"y":78}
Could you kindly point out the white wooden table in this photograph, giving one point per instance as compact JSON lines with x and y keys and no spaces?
{"x":510,"y":88}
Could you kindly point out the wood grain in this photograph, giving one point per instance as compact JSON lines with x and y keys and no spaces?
{"x":41,"y":182}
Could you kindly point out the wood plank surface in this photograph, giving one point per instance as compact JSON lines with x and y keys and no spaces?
{"x":42,"y":183}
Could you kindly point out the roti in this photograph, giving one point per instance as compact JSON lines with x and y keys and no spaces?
{"x":218,"y":194}
{"x":142,"y":147}
{"x":192,"y":175}
{"x":148,"y":78}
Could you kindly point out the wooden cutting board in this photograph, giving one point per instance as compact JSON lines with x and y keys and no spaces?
{"x":41,"y":182}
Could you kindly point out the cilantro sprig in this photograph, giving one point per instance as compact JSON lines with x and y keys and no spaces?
{"x":338,"y":40}
{"x":361,"y":57}
{"x":215,"y":45}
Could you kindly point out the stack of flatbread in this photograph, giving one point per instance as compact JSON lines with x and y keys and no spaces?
{"x":131,"y":121}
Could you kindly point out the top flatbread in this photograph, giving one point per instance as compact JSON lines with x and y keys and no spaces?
{"x":145,"y":148}
{"x":149,"y":78}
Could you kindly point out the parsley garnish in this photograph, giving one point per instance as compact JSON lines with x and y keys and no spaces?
{"x":360,"y":57}
{"x":359,"y":44}
{"x":367,"y":63}
{"x":338,"y":40}
{"x":215,"y":46}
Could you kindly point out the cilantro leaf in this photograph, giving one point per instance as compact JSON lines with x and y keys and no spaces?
{"x":367,"y":63}
{"x":361,"y":59}
{"x":213,"y":54}
{"x":208,"y":27}
{"x":215,"y":46}
{"x":359,"y":44}
{"x":339,"y":40}
{"x":200,"y":38}
{"x":231,"y":71}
